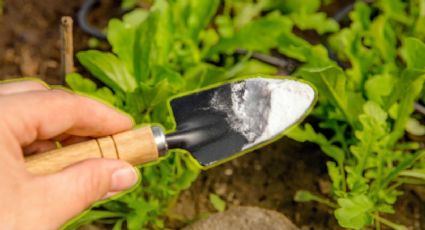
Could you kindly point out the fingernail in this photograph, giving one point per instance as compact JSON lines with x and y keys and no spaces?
{"x":123,"y":179}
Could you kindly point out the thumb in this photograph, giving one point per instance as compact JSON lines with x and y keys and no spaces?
{"x":69,"y":192}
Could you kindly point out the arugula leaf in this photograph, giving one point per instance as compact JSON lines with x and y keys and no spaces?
{"x":217,"y":202}
{"x":121,"y":38}
{"x":306,"y":196}
{"x":384,"y":38}
{"x":413,"y":53}
{"x":144,"y":44}
{"x":316,"y":21}
{"x":291,"y":6}
{"x":396,"y":9}
{"x":408,"y":90}
{"x":379,"y":87}
{"x":308,"y":134}
{"x":331,"y":83}
{"x":250,"y":36}
{"x":78,"y":83}
{"x":354,"y":212}
{"x":201,"y":14}
{"x":108,"y":68}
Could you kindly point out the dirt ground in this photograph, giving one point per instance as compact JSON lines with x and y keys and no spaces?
{"x":269,"y":178}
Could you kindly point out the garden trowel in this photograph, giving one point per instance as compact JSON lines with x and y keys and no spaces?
{"x":213,"y":124}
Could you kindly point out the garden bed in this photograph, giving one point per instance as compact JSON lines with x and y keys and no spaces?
{"x":268,"y":178}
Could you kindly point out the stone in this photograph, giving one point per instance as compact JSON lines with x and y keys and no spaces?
{"x":244,"y":218}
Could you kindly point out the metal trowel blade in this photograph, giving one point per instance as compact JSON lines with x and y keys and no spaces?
{"x":221,"y":122}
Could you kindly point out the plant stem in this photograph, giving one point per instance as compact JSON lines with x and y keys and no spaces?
{"x":377,"y":223}
{"x":67,"y":48}
{"x":324,"y":201}
{"x":413,"y":173}
{"x":388,"y":223}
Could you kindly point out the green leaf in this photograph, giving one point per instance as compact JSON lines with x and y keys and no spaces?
{"x":128,"y":4}
{"x":384,"y":38}
{"x":134,"y":17}
{"x":395,"y":9}
{"x":291,"y":6}
{"x":217,"y":202}
{"x":352,"y":44}
{"x":78,"y":83}
{"x":144,"y":46}
{"x":419,"y":174}
{"x":225,"y":26}
{"x":203,"y":75}
{"x":380,"y":86}
{"x":315,"y":21}
{"x":330,"y":81}
{"x":121,"y":38}
{"x":121,"y":35}
{"x":308,"y":134}
{"x":250,"y":37}
{"x":304,"y":196}
{"x":165,"y":33}
{"x":107,"y":68}
{"x":354,"y":212}
{"x":294,"y":46}
{"x":174,"y":78}
{"x":200,"y":15}
{"x":118,"y":225}
{"x":245,"y":12}
{"x":408,"y":89}
{"x":406,"y":162}
{"x":374,"y":129}
{"x":254,"y":67}
{"x":337,"y":177}
{"x":413,"y":52}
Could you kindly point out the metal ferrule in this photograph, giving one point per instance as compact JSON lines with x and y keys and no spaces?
{"x":160,"y":141}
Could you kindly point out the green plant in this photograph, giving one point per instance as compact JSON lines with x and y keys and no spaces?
{"x":217,"y":202}
{"x":181,"y":45}
{"x":366,"y":104}
{"x":367,"y":107}
{"x":149,"y":63}
{"x":156,"y":53}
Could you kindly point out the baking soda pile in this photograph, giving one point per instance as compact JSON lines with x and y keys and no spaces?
{"x":261,"y":109}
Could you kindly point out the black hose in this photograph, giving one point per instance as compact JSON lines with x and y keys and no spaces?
{"x":341,"y":14}
{"x":85,"y":9}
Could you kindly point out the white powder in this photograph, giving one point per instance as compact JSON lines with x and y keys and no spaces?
{"x":289,"y":101}
{"x":261,"y":109}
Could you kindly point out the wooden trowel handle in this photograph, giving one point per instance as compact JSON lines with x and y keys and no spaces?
{"x":135,"y":146}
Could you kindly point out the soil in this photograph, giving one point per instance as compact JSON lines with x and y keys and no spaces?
{"x":268,"y":178}
{"x":29,"y":36}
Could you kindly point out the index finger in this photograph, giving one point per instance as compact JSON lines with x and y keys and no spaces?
{"x":41,"y":115}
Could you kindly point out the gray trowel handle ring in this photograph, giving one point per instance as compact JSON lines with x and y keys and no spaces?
{"x":135,"y":146}
{"x":160,"y":140}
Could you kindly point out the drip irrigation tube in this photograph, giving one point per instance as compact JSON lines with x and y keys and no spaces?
{"x":84,"y":11}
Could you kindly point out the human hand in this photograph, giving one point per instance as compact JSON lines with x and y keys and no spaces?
{"x":32,"y":117}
